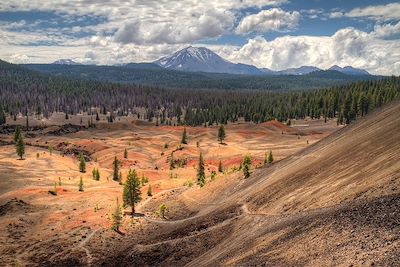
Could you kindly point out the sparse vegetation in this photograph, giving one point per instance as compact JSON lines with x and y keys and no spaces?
{"x":213,"y":175}
{"x":144,"y":180}
{"x":125,"y":153}
{"x":188,"y":183}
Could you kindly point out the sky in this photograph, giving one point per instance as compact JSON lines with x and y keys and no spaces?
{"x":274,"y":34}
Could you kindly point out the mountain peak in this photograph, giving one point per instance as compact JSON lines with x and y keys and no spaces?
{"x":65,"y":61}
{"x":202,"y":59}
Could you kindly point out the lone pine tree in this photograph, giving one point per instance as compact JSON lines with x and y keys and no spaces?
{"x":82,"y":163}
{"x":97,"y":175}
{"x":184,"y":136}
{"x":270,"y":158}
{"x":20,"y":147}
{"x":221,"y":133}
{"x":131,"y":193}
{"x":201,"y":177}
{"x":246,"y":166}
{"x":220,"y":169}
{"x":125,"y":153}
{"x":117,"y":217}
{"x":162,"y":209}
{"x":116,"y":167}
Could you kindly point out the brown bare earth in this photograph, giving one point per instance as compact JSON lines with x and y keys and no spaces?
{"x":327,"y":203}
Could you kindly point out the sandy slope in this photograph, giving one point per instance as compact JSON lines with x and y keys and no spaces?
{"x":335,"y":203}
{"x":73,"y":228}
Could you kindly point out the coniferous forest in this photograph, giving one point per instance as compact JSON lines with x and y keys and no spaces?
{"x":24,"y":91}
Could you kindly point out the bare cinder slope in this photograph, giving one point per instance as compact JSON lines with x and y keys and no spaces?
{"x":334,"y":203}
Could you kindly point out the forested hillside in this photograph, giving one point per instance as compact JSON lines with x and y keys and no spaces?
{"x":153,"y":75}
{"x":27,"y":92}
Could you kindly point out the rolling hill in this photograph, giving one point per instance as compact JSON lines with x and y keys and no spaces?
{"x":334,"y":203}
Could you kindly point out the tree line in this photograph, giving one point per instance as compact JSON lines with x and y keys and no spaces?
{"x":26,"y":92}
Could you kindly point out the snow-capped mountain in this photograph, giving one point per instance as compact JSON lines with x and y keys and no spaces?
{"x":65,"y":61}
{"x":202,"y":59}
{"x":349,"y":70}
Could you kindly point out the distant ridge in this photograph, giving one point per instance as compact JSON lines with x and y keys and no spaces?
{"x":349,"y":70}
{"x":201,"y":59}
{"x":65,"y":61}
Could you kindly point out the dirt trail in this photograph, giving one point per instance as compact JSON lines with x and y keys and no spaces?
{"x":82,"y":244}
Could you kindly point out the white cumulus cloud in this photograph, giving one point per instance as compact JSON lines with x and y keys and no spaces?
{"x":378,"y":12}
{"x":274,"y":19}
{"x":347,"y":46}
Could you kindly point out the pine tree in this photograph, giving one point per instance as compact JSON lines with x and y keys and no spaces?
{"x":171,"y":162}
{"x":132,"y":194}
{"x":17,"y":133}
{"x":149,"y":191}
{"x":81,"y":184}
{"x":20,"y":147}
{"x":97,"y":175}
{"x":125,"y":153}
{"x":221,"y":134}
{"x":117,"y":217}
{"x":184,"y":136}
{"x":82,"y":163}
{"x":161,"y":210}
{"x":201,"y":177}
{"x":97,"y":116}
{"x":94,"y":173}
{"x":246,"y":166}
{"x":115,"y":173}
{"x":270,"y":157}
{"x":220,"y":166}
